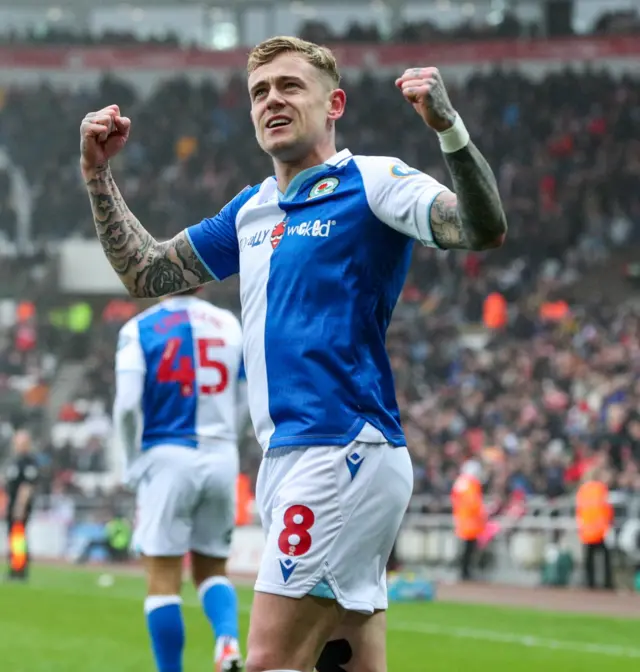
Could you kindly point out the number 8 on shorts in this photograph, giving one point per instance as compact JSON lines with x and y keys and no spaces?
{"x":295,"y":539}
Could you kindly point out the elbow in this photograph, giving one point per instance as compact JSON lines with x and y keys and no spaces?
{"x":490,"y":239}
{"x":490,"y":243}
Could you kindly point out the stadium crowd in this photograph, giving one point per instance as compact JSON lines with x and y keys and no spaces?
{"x":473,"y":26}
{"x":545,"y":399}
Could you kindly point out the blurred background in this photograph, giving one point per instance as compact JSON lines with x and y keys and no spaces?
{"x":524,"y":361}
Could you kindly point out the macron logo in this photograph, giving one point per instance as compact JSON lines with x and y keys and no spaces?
{"x":287,"y":566}
{"x":354,"y":462}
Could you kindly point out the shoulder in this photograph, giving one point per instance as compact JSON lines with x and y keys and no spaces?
{"x":384,"y":167}
{"x":226,"y":318}
{"x":242,"y":199}
{"x":129,"y":329}
{"x":230,"y":321}
{"x":129,"y":333}
{"x":132,"y":327}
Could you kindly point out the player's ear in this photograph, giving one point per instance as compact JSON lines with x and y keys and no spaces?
{"x":337,"y":102}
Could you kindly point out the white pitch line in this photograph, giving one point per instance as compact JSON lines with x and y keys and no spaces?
{"x":425,"y":628}
{"x":518,"y":639}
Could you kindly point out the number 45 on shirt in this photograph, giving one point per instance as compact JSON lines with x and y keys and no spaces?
{"x":180,"y":369}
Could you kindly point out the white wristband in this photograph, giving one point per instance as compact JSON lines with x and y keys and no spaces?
{"x":454,"y":138}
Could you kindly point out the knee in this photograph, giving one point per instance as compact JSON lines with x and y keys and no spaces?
{"x":203,"y":568}
{"x":260,"y":660}
{"x":267,"y":659}
{"x":164,"y":575}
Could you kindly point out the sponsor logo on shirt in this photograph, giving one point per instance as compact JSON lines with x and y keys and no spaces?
{"x":255,"y":239}
{"x":315,"y":229}
{"x":402,"y":170}
{"x":277,"y":234}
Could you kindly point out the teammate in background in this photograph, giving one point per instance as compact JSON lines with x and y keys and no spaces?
{"x":322,"y":249}
{"x":21,"y":477}
{"x":180,"y":401}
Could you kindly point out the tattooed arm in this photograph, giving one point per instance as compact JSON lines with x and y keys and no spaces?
{"x":472,"y":217}
{"x":146,"y":267}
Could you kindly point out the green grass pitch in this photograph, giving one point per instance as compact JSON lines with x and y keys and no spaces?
{"x":63,"y":621}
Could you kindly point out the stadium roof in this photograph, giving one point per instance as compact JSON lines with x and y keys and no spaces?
{"x":227,"y":4}
{"x":230,"y":4}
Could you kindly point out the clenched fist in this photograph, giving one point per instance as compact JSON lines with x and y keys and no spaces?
{"x":102,"y":135}
{"x":425,"y":90}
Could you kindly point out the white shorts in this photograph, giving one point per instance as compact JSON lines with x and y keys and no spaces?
{"x":186,"y":500}
{"x":331,"y":515}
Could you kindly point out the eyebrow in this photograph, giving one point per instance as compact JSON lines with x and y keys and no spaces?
{"x":280,"y":79}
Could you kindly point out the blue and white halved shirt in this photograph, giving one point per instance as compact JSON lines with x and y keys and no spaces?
{"x":321,"y":268}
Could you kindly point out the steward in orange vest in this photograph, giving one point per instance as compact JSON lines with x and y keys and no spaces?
{"x":594,"y":516}
{"x":469,"y":513}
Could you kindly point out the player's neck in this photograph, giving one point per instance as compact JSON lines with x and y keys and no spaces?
{"x":287,"y":170}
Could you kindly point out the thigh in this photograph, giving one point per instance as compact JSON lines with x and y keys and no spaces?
{"x":357,"y":645}
{"x":301,"y":514}
{"x":165,"y":500}
{"x":374,"y":502}
{"x":214,"y":514}
{"x":287,"y":633}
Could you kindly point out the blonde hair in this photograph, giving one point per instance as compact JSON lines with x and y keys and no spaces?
{"x":319,"y":57}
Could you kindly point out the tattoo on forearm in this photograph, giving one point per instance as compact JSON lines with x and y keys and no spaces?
{"x":146,"y":267}
{"x":473,"y":218}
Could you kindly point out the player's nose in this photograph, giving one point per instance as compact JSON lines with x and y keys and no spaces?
{"x":274,"y":100}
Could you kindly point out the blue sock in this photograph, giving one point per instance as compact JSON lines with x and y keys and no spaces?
{"x":220,"y":604}
{"x":166,"y":629}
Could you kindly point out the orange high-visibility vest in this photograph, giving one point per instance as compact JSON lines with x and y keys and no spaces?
{"x":469,"y":514}
{"x":494,"y":311}
{"x":244,"y":500}
{"x":554,"y":311}
{"x":594,"y":514}
{"x":17,"y":548}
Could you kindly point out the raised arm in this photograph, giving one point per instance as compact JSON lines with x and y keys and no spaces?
{"x":147,"y":268}
{"x":471,"y":218}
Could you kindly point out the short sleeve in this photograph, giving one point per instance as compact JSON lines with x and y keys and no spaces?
{"x":400,"y":196}
{"x":215,"y":240}
{"x":129,"y":355}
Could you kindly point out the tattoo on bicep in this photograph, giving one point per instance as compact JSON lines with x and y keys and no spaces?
{"x":147,"y":268}
{"x":446,"y":226}
{"x":190,"y":260}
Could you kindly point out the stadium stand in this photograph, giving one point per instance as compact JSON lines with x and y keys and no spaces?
{"x":543,"y":390}
{"x":539,"y":400}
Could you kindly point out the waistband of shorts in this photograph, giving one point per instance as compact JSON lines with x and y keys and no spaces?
{"x":204,"y":445}
{"x":282,"y":451}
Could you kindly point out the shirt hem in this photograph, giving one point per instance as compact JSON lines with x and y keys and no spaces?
{"x":395,"y":440}
{"x":169,"y":441}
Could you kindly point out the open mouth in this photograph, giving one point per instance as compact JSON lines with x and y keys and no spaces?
{"x":278,"y":122}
